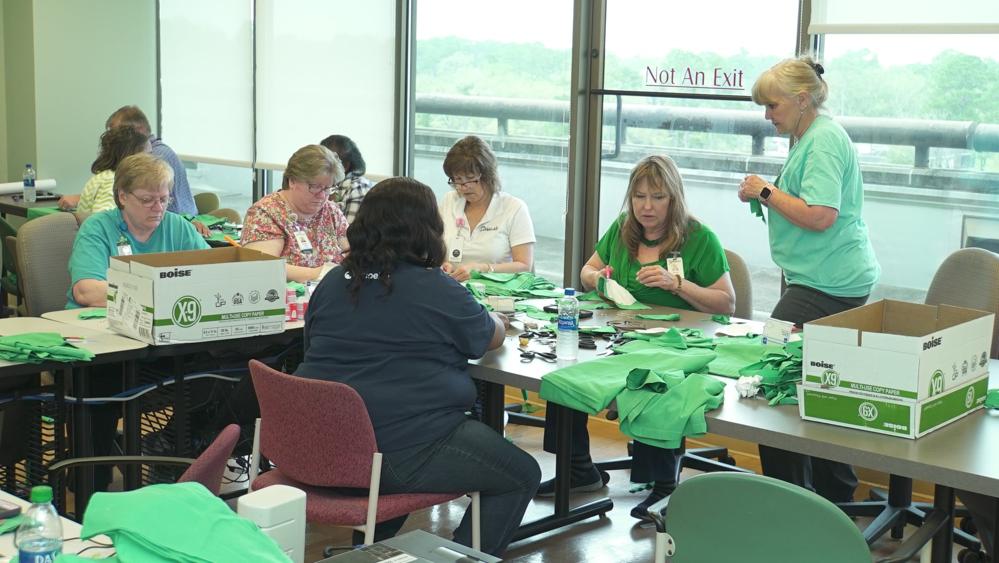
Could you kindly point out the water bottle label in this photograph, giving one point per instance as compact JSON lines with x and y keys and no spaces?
{"x":28,"y":183}
{"x":568,"y":323}
{"x":38,"y":556}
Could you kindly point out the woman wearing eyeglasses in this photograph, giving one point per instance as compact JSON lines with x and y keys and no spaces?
{"x":299,"y":222}
{"x":484,"y":228}
{"x":140,"y":224}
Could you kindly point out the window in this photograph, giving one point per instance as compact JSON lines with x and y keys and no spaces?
{"x":507,"y":82}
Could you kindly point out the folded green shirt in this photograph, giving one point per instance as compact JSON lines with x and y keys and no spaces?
{"x":38,"y":347}
{"x":661,"y":408}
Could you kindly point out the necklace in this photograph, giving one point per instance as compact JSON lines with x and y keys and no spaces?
{"x":653,"y":243}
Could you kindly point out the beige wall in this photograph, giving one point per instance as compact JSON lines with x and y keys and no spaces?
{"x":66,"y":67}
{"x":3,"y":104}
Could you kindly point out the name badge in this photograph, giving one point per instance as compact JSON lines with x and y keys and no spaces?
{"x":304,"y":244}
{"x":454,"y":251}
{"x":674,"y":264}
{"x":124,"y":248}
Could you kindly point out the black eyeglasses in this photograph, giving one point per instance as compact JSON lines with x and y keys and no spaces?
{"x":457,"y":184}
{"x":318,"y":188}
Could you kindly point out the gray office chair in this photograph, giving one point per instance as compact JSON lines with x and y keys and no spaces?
{"x":43,"y":249}
{"x":743,"y":284}
{"x":967,"y":278}
{"x":230,"y":215}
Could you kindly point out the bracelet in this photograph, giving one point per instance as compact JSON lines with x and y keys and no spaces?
{"x":491,"y":269}
{"x":679,"y":284}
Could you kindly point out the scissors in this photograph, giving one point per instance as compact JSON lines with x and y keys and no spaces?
{"x":527,"y":356}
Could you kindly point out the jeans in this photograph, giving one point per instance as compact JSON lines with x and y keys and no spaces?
{"x":831,"y":479}
{"x":472,"y":458}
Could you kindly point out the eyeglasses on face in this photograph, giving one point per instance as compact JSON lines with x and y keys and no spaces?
{"x":151,"y":201}
{"x":318,"y":188}
{"x":462,"y":183}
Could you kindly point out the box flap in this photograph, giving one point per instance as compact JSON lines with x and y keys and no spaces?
{"x":908,"y":319}
{"x":949,"y":315}
{"x":866,"y":318}
{"x":840,"y":335}
{"x":198,"y":257}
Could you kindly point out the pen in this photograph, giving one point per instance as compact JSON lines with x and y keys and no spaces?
{"x":230,"y":240}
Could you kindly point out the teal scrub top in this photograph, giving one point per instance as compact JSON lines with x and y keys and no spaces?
{"x":704,"y":263}
{"x":97,"y":241}
{"x":822,"y":169}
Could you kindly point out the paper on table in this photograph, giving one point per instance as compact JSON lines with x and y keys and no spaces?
{"x":8,"y":188}
{"x":738,"y":329}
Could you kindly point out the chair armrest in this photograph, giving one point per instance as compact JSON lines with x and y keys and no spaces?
{"x":934,"y":522}
{"x":72,"y":463}
{"x":657,"y":512}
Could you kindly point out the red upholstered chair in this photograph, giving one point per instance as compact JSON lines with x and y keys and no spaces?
{"x":318,"y":435}
{"x":210,"y":465}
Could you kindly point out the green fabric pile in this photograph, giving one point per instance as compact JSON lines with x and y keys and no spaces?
{"x":181,"y":522}
{"x":38,"y":347}
{"x":219,"y":226}
{"x":781,"y":372}
{"x":523,"y":285}
{"x":95,"y":313}
{"x":992,"y":399}
{"x":678,"y":338}
{"x":594,"y":297}
{"x":36,"y":212}
{"x":660,"y":408}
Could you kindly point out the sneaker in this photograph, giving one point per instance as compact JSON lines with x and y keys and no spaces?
{"x":641,"y":511}
{"x":599,"y":480}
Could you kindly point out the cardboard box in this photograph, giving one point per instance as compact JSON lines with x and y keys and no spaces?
{"x":197,"y":295}
{"x":897,"y":350}
{"x":908,"y":419}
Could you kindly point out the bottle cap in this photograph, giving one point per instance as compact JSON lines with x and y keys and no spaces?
{"x":41,"y":493}
{"x":569,"y":292}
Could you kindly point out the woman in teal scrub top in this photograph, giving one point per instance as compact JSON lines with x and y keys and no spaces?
{"x":817,"y":233}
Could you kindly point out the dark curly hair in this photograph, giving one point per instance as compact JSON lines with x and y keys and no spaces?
{"x":397,"y":222}
{"x":116,"y":144}
{"x":350,"y":155}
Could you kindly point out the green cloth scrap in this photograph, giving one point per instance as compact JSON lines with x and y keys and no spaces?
{"x":298,"y":287}
{"x":594,"y":305}
{"x":95,"y":313}
{"x":8,"y":525}
{"x":721,"y":319}
{"x":36,"y":212}
{"x":678,"y":338}
{"x":591,"y":385}
{"x":992,"y":399}
{"x":781,"y":372}
{"x":660,"y":408}
{"x":737,"y":353}
{"x":179,"y":522}
{"x":590,"y":296}
{"x":651,"y":317}
{"x":38,"y":347}
{"x":586,"y":329}
{"x":636,"y":306}
{"x":756,"y":208}
{"x":522,"y":285}
{"x":209,"y":220}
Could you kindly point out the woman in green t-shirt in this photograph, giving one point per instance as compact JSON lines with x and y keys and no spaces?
{"x":655,"y":234}
{"x":817,"y":234}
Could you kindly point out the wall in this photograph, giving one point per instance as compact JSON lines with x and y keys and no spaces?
{"x":3,"y":104}
{"x":19,"y":78}
{"x":91,"y":57}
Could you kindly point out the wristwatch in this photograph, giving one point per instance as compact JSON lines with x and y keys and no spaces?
{"x":766,"y":192}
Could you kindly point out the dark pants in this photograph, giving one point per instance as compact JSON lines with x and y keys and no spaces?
{"x":472,"y":458}
{"x":104,"y":381}
{"x":648,"y":463}
{"x":831,"y":479}
{"x":982,"y":509}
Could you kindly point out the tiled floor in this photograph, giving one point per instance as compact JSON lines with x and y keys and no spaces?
{"x":615,"y":538}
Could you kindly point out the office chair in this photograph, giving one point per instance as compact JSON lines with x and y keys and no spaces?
{"x":757,"y":519}
{"x":8,"y":272}
{"x":320,"y":437}
{"x":742,"y":282}
{"x":206,"y":202}
{"x":43,"y":249}
{"x":230,"y":215}
{"x":969,"y":277}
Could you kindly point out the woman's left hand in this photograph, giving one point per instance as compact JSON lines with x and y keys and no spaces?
{"x":750,"y":187}
{"x":202,"y":229}
{"x":657,"y":276}
{"x":461,"y":273}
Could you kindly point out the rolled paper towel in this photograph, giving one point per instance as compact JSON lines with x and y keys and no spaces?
{"x":8,"y":188}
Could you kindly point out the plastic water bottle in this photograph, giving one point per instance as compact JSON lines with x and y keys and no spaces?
{"x":39,"y":537}
{"x":30,"y":193}
{"x":567,"y":343}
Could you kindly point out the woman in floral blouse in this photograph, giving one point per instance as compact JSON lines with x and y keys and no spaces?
{"x":299,"y":222}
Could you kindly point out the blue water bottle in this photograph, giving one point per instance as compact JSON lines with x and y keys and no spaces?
{"x":39,"y":537}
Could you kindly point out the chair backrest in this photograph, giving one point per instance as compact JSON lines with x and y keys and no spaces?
{"x":230,"y":215}
{"x":43,"y":249}
{"x":316,"y":432}
{"x":761,"y":520}
{"x":743,"y":284}
{"x":210,"y":465}
{"x":206,"y":202}
{"x":7,"y":230}
{"x":969,"y":278}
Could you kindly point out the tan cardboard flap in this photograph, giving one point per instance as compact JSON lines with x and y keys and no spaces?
{"x":949,"y":316}
{"x":198,"y":257}
{"x":866,"y":318}
{"x":909,"y":319}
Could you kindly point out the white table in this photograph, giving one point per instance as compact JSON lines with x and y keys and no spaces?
{"x":70,"y":529}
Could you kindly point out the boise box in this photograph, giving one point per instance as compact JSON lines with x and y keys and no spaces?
{"x":197,"y":295}
{"x":908,"y":419}
{"x":898,"y":350}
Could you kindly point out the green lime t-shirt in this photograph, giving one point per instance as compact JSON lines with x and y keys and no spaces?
{"x":822,"y":169}
{"x":704,"y":263}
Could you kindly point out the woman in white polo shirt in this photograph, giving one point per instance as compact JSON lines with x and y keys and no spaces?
{"x":484,"y":228}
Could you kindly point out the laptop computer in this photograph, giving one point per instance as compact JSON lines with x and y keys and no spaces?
{"x":417,"y":546}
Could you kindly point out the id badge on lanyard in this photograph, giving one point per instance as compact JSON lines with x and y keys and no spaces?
{"x":674,"y":264}
{"x":302,"y":238}
{"x":457,"y":245}
{"x":124,"y":247}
